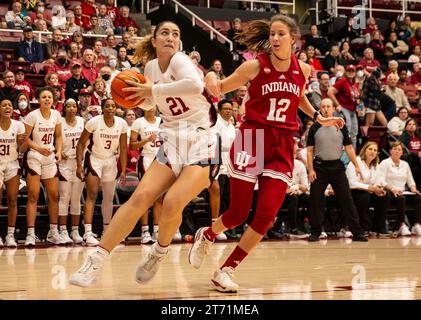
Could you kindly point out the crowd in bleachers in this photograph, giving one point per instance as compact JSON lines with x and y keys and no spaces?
{"x":372,"y":76}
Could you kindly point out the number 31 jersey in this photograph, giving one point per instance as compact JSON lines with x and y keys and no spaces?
{"x":275,"y":96}
{"x":43,"y":129}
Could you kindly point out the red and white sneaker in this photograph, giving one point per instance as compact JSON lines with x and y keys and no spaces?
{"x":199,"y":249}
{"x":223,"y":280}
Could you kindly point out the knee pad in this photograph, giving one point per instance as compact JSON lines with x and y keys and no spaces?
{"x":262,"y":222}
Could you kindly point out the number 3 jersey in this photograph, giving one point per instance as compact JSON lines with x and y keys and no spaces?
{"x":104,"y":140}
{"x":71,"y":135}
{"x":43,"y":129}
{"x":275,"y":96}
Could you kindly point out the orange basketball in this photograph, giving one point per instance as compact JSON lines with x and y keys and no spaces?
{"x":119,"y":82}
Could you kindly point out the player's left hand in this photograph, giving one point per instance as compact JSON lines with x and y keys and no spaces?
{"x":331,"y":121}
{"x":123,"y":177}
{"x":58,"y":157}
{"x":140,"y":91}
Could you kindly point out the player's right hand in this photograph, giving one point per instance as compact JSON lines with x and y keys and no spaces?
{"x":312,"y":176}
{"x":79,"y":173}
{"x":44,"y":151}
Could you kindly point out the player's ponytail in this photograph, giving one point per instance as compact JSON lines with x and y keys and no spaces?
{"x":144,"y":49}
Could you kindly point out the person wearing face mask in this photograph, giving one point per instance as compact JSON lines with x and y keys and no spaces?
{"x":339,"y":72}
{"x":112,"y":62}
{"x":61,"y":67}
{"x":105,"y":74}
{"x":21,"y":107}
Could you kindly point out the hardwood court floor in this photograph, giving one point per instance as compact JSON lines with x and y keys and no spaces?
{"x":379,"y":269}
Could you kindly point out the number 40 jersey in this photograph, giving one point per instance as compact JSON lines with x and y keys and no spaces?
{"x":275,"y":96}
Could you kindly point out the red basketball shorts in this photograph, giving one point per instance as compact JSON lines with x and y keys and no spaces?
{"x":260,"y":150}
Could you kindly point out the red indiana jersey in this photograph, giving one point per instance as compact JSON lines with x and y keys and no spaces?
{"x":275,"y":96}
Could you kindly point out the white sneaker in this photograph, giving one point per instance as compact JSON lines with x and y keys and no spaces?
{"x":31,"y":239}
{"x":147,"y":269}
{"x":54,"y":237}
{"x":1,"y":243}
{"x":221,"y":237}
{"x":345,"y":233}
{"x":155,"y":236}
{"x":10,"y":240}
{"x":323,"y":235}
{"x":75,"y":236}
{"x":199,"y":249}
{"x":64,"y":236}
{"x":404,"y":231}
{"x":177,"y":236}
{"x":88,"y":274}
{"x":416,"y":230}
{"x":90,"y":239}
{"x":223,"y":280}
{"x":146,"y":238}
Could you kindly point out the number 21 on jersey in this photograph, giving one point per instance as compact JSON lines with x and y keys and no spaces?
{"x":277,"y":108}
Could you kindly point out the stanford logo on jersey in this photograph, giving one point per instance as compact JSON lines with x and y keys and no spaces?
{"x":281,"y":86}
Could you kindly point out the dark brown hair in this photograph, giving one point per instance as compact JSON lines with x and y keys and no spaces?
{"x":256,"y":32}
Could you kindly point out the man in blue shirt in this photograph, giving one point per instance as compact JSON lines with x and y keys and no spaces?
{"x":29,"y":49}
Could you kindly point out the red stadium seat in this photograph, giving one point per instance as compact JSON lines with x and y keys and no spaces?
{"x":217,"y":3}
{"x":36,"y":80}
{"x":201,"y":25}
{"x":8,"y":54}
{"x":14,"y":65}
{"x":3,"y":66}
{"x":222,"y":26}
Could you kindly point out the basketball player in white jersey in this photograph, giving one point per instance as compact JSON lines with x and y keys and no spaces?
{"x":70,"y":186}
{"x":146,"y":129}
{"x":182,"y":168}
{"x":12,"y":141}
{"x":107,"y":135}
{"x":43,"y":134}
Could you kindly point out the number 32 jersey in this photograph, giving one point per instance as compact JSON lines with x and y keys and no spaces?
{"x":275,"y":96}
{"x":43,"y":129}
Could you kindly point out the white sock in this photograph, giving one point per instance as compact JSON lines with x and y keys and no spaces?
{"x":63,"y":228}
{"x":145,"y":228}
{"x":155,"y":228}
{"x":101,"y":254}
{"x":162,"y":249}
{"x":10,"y":230}
{"x":53,"y":227}
{"x":31,"y":231}
{"x":88,"y":228}
{"x":75,"y":228}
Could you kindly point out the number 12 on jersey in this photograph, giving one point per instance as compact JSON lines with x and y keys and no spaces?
{"x":276,"y":108}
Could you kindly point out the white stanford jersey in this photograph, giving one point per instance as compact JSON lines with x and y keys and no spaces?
{"x":144,"y":129}
{"x":43,"y":129}
{"x":183,"y":100}
{"x":71,"y":136}
{"x":105,"y":141}
{"x":8,"y":141}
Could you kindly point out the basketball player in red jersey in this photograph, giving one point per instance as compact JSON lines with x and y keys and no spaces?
{"x":263,"y":148}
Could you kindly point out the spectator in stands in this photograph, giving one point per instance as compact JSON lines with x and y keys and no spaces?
{"x":112,"y":11}
{"x":415,"y":57}
{"x":377,"y":45}
{"x":57,"y":98}
{"x":77,"y":38}
{"x":370,"y":96}
{"x":346,"y":51}
{"x":393,"y":68}
{"x":41,"y":25}
{"x":71,"y":26}
{"x":112,"y":63}
{"x":371,"y":27}
{"x":339,"y":72}
{"x":109,"y":48}
{"x":406,"y":30}
{"x":332,"y":59}
{"x":100,"y":93}
{"x":100,"y":59}
{"x":387,"y":57}
{"x":59,"y":17}
{"x":123,"y":63}
{"x":400,"y":48}
{"x":28,"y":5}
{"x":312,"y":60}
{"x":89,"y":8}
{"x":74,"y":53}
{"x":319,"y":92}
{"x":315,"y":40}
{"x":126,"y":43}
{"x":195,"y":57}
{"x":9,"y":91}
{"x":416,"y":39}
{"x":21,"y":107}
{"x":394,"y":175}
{"x":397,"y":94}
{"x":344,"y":94}
{"x":410,"y":89}
{"x":347,"y":32}
{"x":85,"y":107}
{"x":105,"y":73}
{"x":76,"y":82}
{"x":15,"y":18}
{"x":360,"y":77}
{"x":396,"y":125}
{"x":23,"y":85}
{"x":81,"y":20}
{"x":53,"y":46}
{"x":393,"y":27}
{"x":29,"y":49}
{"x":410,"y":138}
{"x":95,"y":28}
{"x":89,"y":69}
{"x":61,"y":67}
{"x":364,"y":188}
{"x":124,"y":21}
{"x":415,"y":79}
{"x":216,"y":66}
{"x":41,"y":14}
{"x":368,"y":61}
{"x":104,"y":21}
